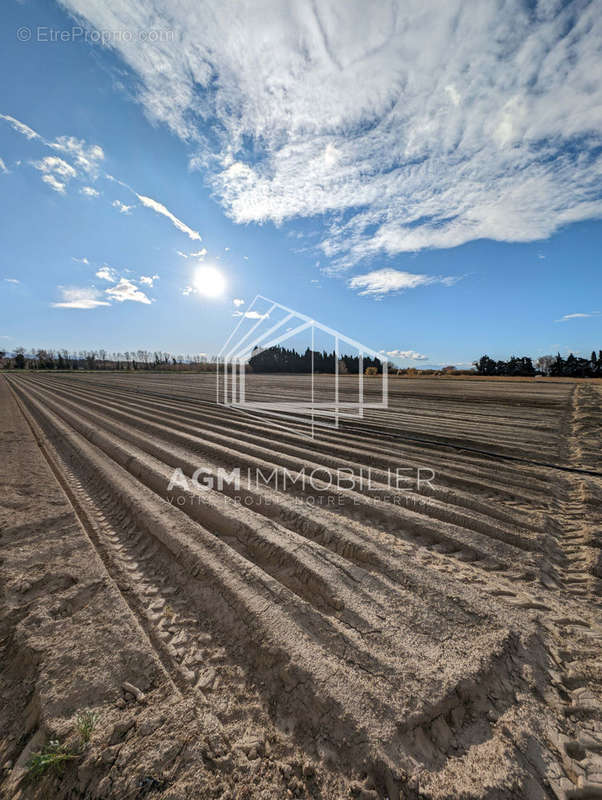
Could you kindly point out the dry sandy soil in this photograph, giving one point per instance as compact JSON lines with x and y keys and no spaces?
{"x":316,"y":642}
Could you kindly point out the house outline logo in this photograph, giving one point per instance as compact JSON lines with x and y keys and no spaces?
{"x":239,"y":349}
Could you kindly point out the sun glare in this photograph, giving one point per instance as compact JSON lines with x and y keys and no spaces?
{"x":209,"y":281}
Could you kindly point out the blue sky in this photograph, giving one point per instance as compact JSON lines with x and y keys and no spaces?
{"x":429,"y":184}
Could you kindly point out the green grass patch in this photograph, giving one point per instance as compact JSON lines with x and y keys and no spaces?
{"x":85,"y":723}
{"x":52,"y":757}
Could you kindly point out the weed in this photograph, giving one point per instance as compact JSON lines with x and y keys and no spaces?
{"x":52,"y":756}
{"x":86,"y":722}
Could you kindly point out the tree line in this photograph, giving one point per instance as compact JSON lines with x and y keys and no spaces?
{"x":553,"y":366}
{"x":102,"y":360}
{"x":281,"y":359}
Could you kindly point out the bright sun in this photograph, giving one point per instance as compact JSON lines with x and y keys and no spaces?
{"x":209,"y":281}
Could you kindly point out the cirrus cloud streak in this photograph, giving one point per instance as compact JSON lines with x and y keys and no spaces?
{"x":418,"y":125}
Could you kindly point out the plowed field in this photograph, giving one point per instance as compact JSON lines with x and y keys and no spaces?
{"x":298,"y":619}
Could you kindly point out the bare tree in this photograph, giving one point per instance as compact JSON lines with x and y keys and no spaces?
{"x":544,"y":364}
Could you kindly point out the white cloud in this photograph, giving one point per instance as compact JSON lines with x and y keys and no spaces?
{"x":80,"y":297}
{"x":56,"y":172}
{"x":412,"y":355}
{"x":3,"y":167}
{"x":123,"y":208}
{"x":381,"y":281}
{"x":106,"y":273}
{"x":83,"y":260}
{"x":250,"y":315}
{"x":421,"y":124}
{"x":238,"y":302}
{"x":55,"y":184}
{"x":12,"y":280}
{"x":187,"y":290}
{"x":159,"y":208}
{"x":180,"y":253}
{"x":87,"y":157}
{"x":199,"y":253}
{"x":148,"y":280}
{"x":20,"y":127}
{"x":578,"y":315}
{"x":57,"y":165}
{"x":127,"y":290}
{"x":453,"y":95}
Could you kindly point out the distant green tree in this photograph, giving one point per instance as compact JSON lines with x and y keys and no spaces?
{"x":557,"y":368}
{"x":281,"y":359}
{"x":20,"y":358}
{"x":519,"y":367}
{"x":485,"y":366}
{"x":570,"y":366}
